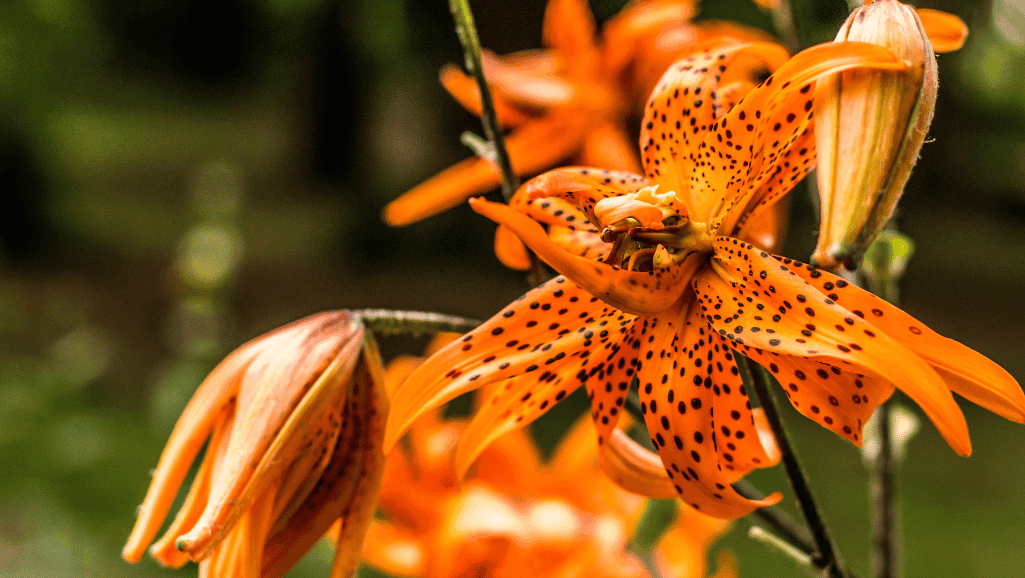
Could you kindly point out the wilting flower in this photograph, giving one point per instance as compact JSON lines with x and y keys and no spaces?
{"x":569,"y":102}
{"x":514,"y":515}
{"x":294,"y":420}
{"x":870,"y":127}
{"x":678,"y":291}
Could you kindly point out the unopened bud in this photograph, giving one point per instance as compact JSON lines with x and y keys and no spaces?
{"x":870,"y":125}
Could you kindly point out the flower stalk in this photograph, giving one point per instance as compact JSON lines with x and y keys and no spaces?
{"x":494,"y":149}
{"x":884,"y":264}
{"x":827,"y":556}
{"x":393,"y":321}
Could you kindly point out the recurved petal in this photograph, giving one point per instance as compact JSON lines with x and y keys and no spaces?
{"x":583,"y":186}
{"x":164,"y":551}
{"x":207,"y":405}
{"x":554,"y":323}
{"x":634,"y":468}
{"x":764,"y":125}
{"x":966,"y":371}
{"x":753,"y":299}
{"x":510,"y":251}
{"x":946,"y":32}
{"x":837,"y":398}
{"x":636,"y":292}
{"x":570,"y":30}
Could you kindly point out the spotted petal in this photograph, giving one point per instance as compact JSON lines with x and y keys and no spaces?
{"x":636,"y":292}
{"x":966,"y":371}
{"x":683,"y":108}
{"x":752,"y":299}
{"x":678,"y":391}
{"x":749,"y":144}
{"x":552,"y":324}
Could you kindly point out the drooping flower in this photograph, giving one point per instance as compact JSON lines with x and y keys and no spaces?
{"x":677,"y":292}
{"x":294,"y":420}
{"x":514,"y":514}
{"x":871,"y":126}
{"x":571,"y":101}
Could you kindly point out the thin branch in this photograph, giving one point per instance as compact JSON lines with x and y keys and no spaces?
{"x":496,"y":151}
{"x":778,"y":521}
{"x":391,"y":322}
{"x":827,"y":556}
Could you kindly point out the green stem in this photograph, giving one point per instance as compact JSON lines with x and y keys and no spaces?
{"x":467,"y":31}
{"x":785,"y":527}
{"x":390,"y":322}
{"x":827,"y":556}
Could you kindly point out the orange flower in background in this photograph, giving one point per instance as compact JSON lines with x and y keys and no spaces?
{"x":570,"y":102}
{"x":514,"y":515}
{"x":677,"y":292}
{"x":294,"y":420}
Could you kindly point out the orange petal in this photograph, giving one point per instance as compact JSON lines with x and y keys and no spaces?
{"x":583,"y":187}
{"x":682,"y":109}
{"x":946,"y":32}
{"x":839,"y":400}
{"x":190,"y":432}
{"x":631,"y":291}
{"x":581,"y":243}
{"x":752,"y":299}
{"x":965,"y":371}
{"x":393,"y":550}
{"x":691,"y":420}
{"x":510,"y":251}
{"x":464,"y":89}
{"x":569,"y":29}
{"x":276,"y":402}
{"x":555,"y":321}
{"x":533,"y":147}
{"x":609,"y":146}
{"x":348,"y":488}
{"x":634,"y":468}
{"x":164,"y":550}
{"x":763,"y":126}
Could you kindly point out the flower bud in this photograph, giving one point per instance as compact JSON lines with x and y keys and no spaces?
{"x":870,"y":125}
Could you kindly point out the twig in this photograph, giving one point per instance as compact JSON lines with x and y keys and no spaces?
{"x":497,"y":153}
{"x":390,"y":322}
{"x":827,"y":556}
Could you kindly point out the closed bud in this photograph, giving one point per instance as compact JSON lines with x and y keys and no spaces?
{"x":870,"y":125}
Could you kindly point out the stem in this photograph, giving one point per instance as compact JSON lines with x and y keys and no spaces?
{"x":783,"y":22}
{"x":883,"y":492}
{"x":882,"y":266}
{"x":827,"y":556}
{"x":467,"y":32}
{"x":780,"y":523}
{"x":390,"y":322}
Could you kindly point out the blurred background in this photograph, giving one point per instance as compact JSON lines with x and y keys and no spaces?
{"x":179,"y":176}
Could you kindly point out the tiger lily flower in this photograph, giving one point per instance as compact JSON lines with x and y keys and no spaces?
{"x":871,"y":127}
{"x":678,"y":292}
{"x":569,"y":102}
{"x":512,"y":513}
{"x":294,"y":420}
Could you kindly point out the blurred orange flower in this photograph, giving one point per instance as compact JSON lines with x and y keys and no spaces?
{"x":514,"y":515}
{"x":294,"y":420}
{"x":570,"y":102}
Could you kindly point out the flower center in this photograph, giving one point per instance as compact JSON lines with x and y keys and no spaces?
{"x":649,"y":230}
